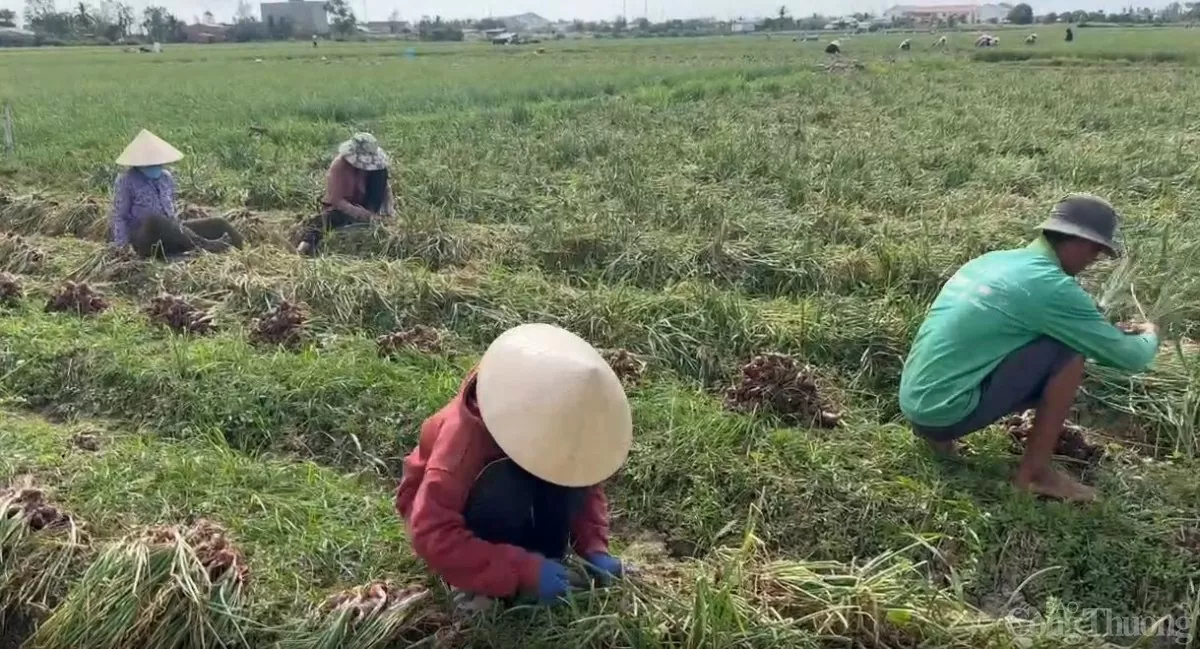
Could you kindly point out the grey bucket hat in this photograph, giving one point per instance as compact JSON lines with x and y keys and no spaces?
{"x":1087,"y":217}
{"x":363,"y":152}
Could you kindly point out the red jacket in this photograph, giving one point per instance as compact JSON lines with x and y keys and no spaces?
{"x":438,"y":474}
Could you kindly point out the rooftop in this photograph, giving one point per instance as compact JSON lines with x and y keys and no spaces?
{"x":943,"y":8}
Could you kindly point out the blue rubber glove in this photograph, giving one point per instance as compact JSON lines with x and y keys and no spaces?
{"x":553,"y":581}
{"x":605,"y":567}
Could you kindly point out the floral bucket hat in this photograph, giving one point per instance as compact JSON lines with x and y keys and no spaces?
{"x":362,"y":152}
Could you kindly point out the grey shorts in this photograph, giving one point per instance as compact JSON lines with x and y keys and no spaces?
{"x":1015,"y":385}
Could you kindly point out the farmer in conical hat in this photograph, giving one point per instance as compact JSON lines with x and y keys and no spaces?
{"x":1010,"y":331}
{"x":143,"y":211}
{"x":508,"y":474}
{"x":356,"y":190}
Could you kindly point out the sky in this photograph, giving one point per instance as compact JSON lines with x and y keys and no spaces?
{"x":655,"y":10}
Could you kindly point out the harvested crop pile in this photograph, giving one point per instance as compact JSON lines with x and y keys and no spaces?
{"x":855,"y":605}
{"x":653,"y":558}
{"x":24,"y":213}
{"x":86,"y":442}
{"x":1072,"y":443}
{"x":1188,"y":539}
{"x":283,"y":325}
{"x":78,"y":298}
{"x":178,"y":314}
{"x":421,"y":338}
{"x":256,"y":228}
{"x":11,"y":291}
{"x":778,"y":384}
{"x":374,"y":616}
{"x":30,"y":504}
{"x":164,"y":588}
{"x":627,"y":365}
{"x":192,"y":211}
{"x":111,"y":264}
{"x":364,"y":601}
{"x":84,"y":217}
{"x":842,"y":66}
{"x":18,"y":255}
{"x":38,"y":543}
{"x":212,"y":548}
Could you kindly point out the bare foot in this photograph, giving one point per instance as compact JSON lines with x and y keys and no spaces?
{"x":1056,"y":484}
{"x":471,"y":604}
{"x":945,"y":448}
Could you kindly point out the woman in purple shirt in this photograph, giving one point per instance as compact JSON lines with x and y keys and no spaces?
{"x":143,"y":214}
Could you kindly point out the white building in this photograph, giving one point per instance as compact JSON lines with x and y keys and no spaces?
{"x":997,"y":12}
{"x":967,"y":13}
{"x":385,"y":27}
{"x":305,"y":16}
{"x":528,"y":22}
{"x":743,"y":27}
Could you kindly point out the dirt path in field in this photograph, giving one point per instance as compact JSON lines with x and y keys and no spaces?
{"x":86,"y":217}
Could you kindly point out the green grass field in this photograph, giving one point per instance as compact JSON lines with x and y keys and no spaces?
{"x":696,"y":202}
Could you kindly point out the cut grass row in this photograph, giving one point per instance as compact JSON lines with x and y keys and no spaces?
{"x":751,"y":263}
{"x":307,"y":528}
{"x":691,"y":328}
{"x":836,"y":253}
{"x":307,"y":532}
{"x":695,"y":473}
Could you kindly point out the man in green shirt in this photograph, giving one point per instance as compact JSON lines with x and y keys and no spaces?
{"x":1010,"y":331}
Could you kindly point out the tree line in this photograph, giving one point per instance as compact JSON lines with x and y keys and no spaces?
{"x":1172,"y":13}
{"x":110,"y":20}
{"x":1021,"y":14}
{"x":115,"y":20}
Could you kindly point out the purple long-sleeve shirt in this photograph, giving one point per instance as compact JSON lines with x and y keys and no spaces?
{"x":135,"y":198}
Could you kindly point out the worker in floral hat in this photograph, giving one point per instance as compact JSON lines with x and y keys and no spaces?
{"x":1010,"y":331}
{"x":356,"y":190}
{"x":143,"y":212}
{"x":509,"y":474}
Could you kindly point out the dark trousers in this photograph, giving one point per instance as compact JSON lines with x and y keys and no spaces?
{"x":1016,"y":385}
{"x":509,"y":505}
{"x":315,"y":229}
{"x":164,"y":236}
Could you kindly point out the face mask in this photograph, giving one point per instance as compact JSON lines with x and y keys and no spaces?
{"x":151,"y":172}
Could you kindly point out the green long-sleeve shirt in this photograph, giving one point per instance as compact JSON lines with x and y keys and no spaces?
{"x":991,"y":307}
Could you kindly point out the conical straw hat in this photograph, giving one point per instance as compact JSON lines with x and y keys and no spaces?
{"x":147,"y":150}
{"x":554,"y":405}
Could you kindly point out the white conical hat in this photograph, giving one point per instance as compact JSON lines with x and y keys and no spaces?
{"x":146,"y":150}
{"x":554,"y":405}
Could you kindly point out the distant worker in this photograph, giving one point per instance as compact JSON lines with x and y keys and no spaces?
{"x":314,"y":41}
{"x":510,"y":473}
{"x":1070,"y":35}
{"x":906,"y":45}
{"x":1010,"y":331}
{"x":939,"y":44}
{"x":987,"y":40}
{"x":356,"y":191}
{"x":143,"y":212}
{"x":834,"y":47}
{"x":1031,"y":39}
